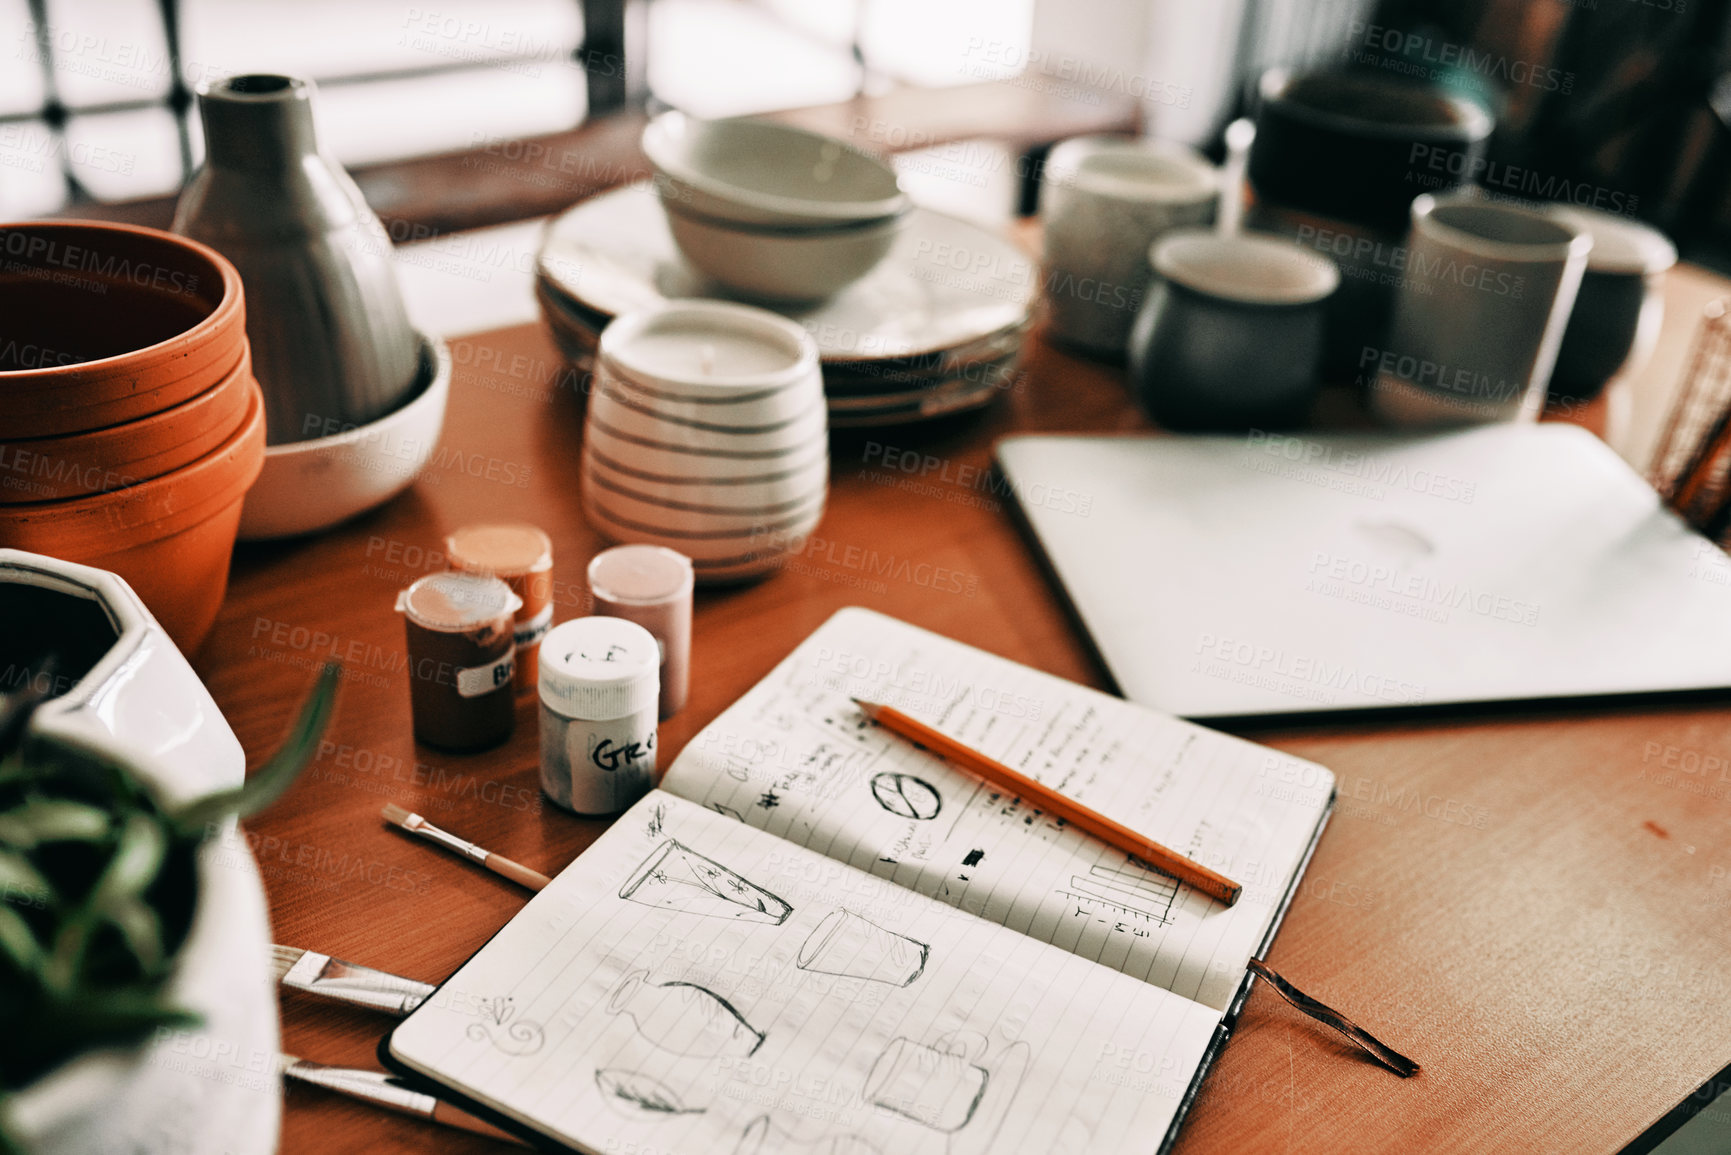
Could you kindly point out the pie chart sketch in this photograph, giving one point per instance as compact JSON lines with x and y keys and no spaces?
{"x":906,"y":796}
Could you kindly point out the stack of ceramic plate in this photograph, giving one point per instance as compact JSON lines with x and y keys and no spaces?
{"x":934,"y":329}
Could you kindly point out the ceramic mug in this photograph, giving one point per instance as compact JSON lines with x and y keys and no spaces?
{"x":1231,"y":333}
{"x":1103,"y":202}
{"x":1483,"y":301}
{"x":1615,"y":323}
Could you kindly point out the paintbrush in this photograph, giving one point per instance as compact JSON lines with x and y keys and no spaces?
{"x":389,"y":1092}
{"x":332,"y":978}
{"x":497,"y":863}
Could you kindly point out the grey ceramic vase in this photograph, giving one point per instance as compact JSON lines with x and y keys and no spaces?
{"x":331,"y":342}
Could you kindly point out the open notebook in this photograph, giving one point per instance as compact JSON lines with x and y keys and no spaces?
{"x":817,"y":938}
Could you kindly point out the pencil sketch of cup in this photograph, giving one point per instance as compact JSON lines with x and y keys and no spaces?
{"x":846,"y":944}
{"x":676,"y":877}
{"x":933,"y":1087}
{"x":684,"y":1018}
{"x":761,"y":1136}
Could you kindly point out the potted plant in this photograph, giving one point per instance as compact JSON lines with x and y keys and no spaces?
{"x":135,"y":993}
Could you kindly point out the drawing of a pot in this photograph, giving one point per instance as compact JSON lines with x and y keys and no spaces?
{"x":937,"y":1088}
{"x":684,"y":1018}
{"x":846,"y":944}
{"x":676,"y":877}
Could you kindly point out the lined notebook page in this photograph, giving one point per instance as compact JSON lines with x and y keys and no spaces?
{"x":796,"y":758}
{"x":690,"y":984}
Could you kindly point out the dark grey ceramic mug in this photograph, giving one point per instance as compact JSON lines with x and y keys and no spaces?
{"x":1231,"y":332}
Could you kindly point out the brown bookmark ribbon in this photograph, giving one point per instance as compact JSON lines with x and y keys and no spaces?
{"x":1323,"y":1013}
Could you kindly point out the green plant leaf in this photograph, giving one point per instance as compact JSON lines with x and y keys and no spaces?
{"x":19,"y":879}
{"x":18,"y":941}
{"x":279,"y":773}
{"x":52,"y":820}
{"x":138,"y":924}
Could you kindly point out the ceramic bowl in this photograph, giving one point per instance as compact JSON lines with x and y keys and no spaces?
{"x":658,"y":516}
{"x":312,"y":485}
{"x":717,"y":557}
{"x":101,"y":324}
{"x":782,"y":265}
{"x":60,"y":468}
{"x":692,"y":465}
{"x":798,"y":478}
{"x":127,"y":693}
{"x":1361,"y":146}
{"x":758,"y":172}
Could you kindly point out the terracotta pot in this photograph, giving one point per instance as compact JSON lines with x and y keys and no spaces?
{"x":60,"y":468}
{"x":102,"y":324}
{"x":170,"y":538}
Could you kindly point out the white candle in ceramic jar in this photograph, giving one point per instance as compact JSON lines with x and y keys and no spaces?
{"x":707,"y":434}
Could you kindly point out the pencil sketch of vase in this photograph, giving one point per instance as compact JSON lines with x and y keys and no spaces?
{"x":938,"y":1088}
{"x":846,"y":944}
{"x":676,"y":877}
{"x":684,"y":1018}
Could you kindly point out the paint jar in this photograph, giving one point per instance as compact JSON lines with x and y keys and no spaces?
{"x":522,"y":557}
{"x":599,"y":687}
{"x":651,"y":585}
{"x":460,"y":632}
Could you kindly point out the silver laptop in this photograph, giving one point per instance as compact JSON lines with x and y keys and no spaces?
{"x":1274,"y":574}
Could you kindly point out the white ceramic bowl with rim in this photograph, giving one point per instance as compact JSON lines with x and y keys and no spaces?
{"x":782,"y":266}
{"x":689,"y":466}
{"x":312,"y":485}
{"x":758,"y":172}
{"x":681,"y":513}
{"x":723,"y":495}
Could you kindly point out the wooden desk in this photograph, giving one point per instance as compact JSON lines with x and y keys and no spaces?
{"x":1532,"y":906}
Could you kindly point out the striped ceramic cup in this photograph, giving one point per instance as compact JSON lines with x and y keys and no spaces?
{"x":707,"y":433}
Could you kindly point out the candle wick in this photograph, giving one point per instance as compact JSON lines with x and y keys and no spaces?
{"x":706,"y":359}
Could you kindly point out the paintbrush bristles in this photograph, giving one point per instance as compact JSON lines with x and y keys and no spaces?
{"x":397,"y":816}
{"x":283,"y":959}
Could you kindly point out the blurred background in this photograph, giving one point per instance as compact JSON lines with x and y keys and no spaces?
{"x":1628,"y":98}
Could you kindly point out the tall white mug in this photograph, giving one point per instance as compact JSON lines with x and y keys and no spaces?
{"x":1483,"y":300}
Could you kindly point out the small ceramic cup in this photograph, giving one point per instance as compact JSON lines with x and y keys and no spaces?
{"x":1479,"y":316}
{"x":1231,"y":332}
{"x":1618,"y":312}
{"x":1103,"y":201}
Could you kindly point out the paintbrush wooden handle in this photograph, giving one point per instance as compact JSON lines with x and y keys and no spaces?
{"x":516,"y":872}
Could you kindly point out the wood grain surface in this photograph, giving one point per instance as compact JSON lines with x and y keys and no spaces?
{"x":1532,"y":905}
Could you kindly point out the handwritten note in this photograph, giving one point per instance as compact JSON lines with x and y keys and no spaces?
{"x":794,"y":757}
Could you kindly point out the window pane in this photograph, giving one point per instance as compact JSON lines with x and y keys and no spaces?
{"x":722,"y":58}
{"x":120,"y":155}
{"x":21,"y":88}
{"x":939,"y":42}
{"x":108,"y":51}
{"x":390,"y":119}
{"x":31,"y":183}
{"x":326,"y":38}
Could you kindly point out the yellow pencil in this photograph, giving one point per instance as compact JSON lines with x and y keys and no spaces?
{"x":1166,"y":861}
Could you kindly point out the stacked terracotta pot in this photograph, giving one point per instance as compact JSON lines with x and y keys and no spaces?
{"x":130,"y":423}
